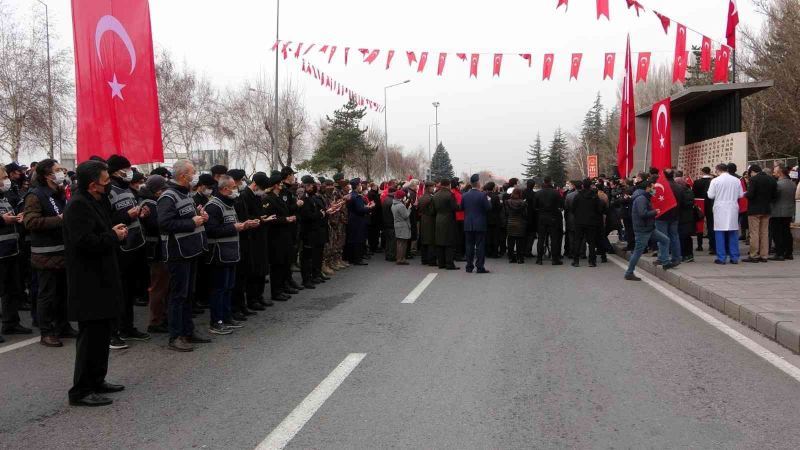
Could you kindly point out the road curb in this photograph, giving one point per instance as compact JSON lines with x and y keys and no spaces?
{"x":780,"y":324}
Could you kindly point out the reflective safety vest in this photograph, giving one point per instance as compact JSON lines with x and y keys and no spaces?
{"x":48,"y":242}
{"x":189,"y":244}
{"x":9,"y":237}
{"x":123,"y":200}
{"x":151,"y":243}
{"x":224,"y":250}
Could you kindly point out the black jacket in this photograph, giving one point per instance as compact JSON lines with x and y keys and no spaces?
{"x":674,"y":213}
{"x":280,"y":231}
{"x":587,"y":208}
{"x":761,"y":192}
{"x":254,"y":243}
{"x":94,"y":288}
{"x":313,"y":223}
{"x":686,"y":207}
{"x":548,"y":204}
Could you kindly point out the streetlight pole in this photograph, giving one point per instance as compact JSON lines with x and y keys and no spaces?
{"x":436,"y":106}
{"x":276,"y":123}
{"x":386,"y":126}
{"x":49,"y":79}
{"x":429,"y":139}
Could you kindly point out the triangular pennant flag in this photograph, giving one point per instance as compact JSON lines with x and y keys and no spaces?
{"x":636,"y":5}
{"x":324,"y":49}
{"x":527,"y":57}
{"x":462,"y":56}
{"x":423,"y":58}
{"x":389,"y":59}
{"x":330,"y":55}
{"x":275,"y":46}
{"x":442,"y":59}
{"x":664,"y":21}
{"x":563,"y":2}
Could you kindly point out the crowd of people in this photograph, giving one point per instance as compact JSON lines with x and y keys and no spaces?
{"x":88,"y":246}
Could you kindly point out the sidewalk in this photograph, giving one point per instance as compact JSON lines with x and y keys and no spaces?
{"x":763,"y":296}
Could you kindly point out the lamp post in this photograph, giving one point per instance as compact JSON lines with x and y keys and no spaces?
{"x":429,"y":140}
{"x":276,"y":122}
{"x":386,"y":126}
{"x":49,"y":79}
{"x":436,"y":106}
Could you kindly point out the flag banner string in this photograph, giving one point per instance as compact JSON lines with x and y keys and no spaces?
{"x":333,"y":85}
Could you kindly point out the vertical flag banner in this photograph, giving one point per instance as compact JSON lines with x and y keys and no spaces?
{"x":115,"y":80}
{"x":423,"y":58}
{"x":608,"y":69}
{"x":389,"y":57}
{"x":642,"y":66}
{"x":602,"y":9}
{"x":705,"y":55}
{"x":733,"y":21}
{"x":721,"y":67}
{"x":591,"y":166}
{"x":576,"y":65}
{"x":664,"y":199}
{"x":627,"y":120}
{"x":661,"y":134}
{"x":473,"y":65}
{"x":547,"y":68}
{"x":442,"y":60}
{"x":680,"y":51}
{"x":498,"y":61}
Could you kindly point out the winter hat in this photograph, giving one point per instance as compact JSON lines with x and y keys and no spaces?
{"x":307,"y":179}
{"x":155,"y":183}
{"x":261,"y":180}
{"x":236,"y":174}
{"x":117,"y":162}
{"x":400,"y":194}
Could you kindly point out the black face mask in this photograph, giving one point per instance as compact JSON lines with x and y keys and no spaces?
{"x":311,"y":189}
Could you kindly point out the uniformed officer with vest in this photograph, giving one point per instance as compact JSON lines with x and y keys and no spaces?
{"x":223,"y":228}
{"x":183,"y":240}
{"x":10,"y":283}
{"x":125,"y":210}
{"x":43,"y":217}
{"x":159,"y":275}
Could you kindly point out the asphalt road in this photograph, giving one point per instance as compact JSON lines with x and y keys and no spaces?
{"x":525,"y":357}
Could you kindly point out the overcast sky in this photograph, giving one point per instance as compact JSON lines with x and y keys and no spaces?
{"x":486,"y":123}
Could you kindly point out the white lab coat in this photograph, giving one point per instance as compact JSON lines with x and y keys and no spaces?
{"x":726,"y":190}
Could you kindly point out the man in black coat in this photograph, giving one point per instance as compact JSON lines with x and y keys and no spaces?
{"x":255,"y":262}
{"x":532,"y":231}
{"x":549,"y":204}
{"x":313,"y":234}
{"x":280,"y":238}
{"x":94,"y":295}
{"x":700,"y":190}
{"x":587,"y":209}
{"x":761,"y":192}
{"x":445,"y":206}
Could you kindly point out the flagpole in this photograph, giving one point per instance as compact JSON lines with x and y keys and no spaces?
{"x":647,"y":146}
{"x":277,"y":97}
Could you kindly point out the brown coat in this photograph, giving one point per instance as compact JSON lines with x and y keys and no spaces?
{"x":34,"y":220}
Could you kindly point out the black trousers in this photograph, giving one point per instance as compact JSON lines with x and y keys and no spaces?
{"x":492,"y":241}
{"x":685,"y":233}
{"x":552,"y":230}
{"x":390,"y":246}
{"x":130,"y":265}
{"x":445,"y":255}
{"x":91,"y":357}
{"x":374,"y":238}
{"x":476,"y":249}
{"x":781,"y":231}
{"x":311,"y":263}
{"x":239,"y":298}
{"x":10,"y":290}
{"x":278,"y":277}
{"x":460,"y":244}
{"x":52,"y":302}
{"x":516,"y":247}
{"x":585,"y":235}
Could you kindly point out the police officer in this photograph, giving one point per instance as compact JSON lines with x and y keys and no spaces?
{"x":183,"y":239}
{"x":313,"y":234}
{"x":340,"y":195}
{"x":280,"y":238}
{"x":125,"y":210}
{"x":223,"y":230}
{"x":159,"y":276}
{"x":10,"y":286}
{"x":205,"y":187}
{"x":289,"y":196}
{"x":43,"y":217}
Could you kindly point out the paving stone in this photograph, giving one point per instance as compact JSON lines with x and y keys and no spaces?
{"x":788,"y":335}
{"x":748,"y":314}
{"x":732,"y":308}
{"x":767,"y":322}
{"x":716,"y":301}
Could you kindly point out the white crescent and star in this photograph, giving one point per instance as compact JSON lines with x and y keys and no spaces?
{"x":548,"y":60}
{"x":662,"y":111}
{"x":644,"y":60}
{"x":110,"y":23}
{"x":609,"y":58}
{"x":706,"y":45}
{"x":658,"y":186}
{"x":576,"y":60}
{"x":682,"y":30}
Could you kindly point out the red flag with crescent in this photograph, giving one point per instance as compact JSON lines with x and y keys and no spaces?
{"x":733,"y":21}
{"x":627,"y":120}
{"x":346,"y":54}
{"x":642,"y":66}
{"x":563,"y":2}
{"x":297,"y":52}
{"x":664,"y":199}
{"x":389,"y":59}
{"x":473,"y":65}
{"x":664,"y":21}
{"x":636,"y":5}
{"x":661,"y":132}
{"x":442,"y":59}
{"x":498,"y":61}
{"x":608,"y":69}
{"x":423,"y":58}
{"x":547,"y":68}
{"x":330,"y":55}
{"x":602,"y":9}
{"x":462,"y":56}
{"x":372,"y":56}
{"x":705,"y":55}
{"x":323,"y":49}
{"x":527,"y":57}
{"x":115,"y":80}
{"x":679,"y":65}
{"x":721,"y":67}
{"x":412,"y":58}
{"x":575,"y":66}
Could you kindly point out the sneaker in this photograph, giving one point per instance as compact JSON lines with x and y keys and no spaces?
{"x":688,"y":259}
{"x":134,"y":335}
{"x":117,"y":344}
{"x":232,"y":324}
{"x":720,"y":262}
{"x":219,"y":328}
{"x":632,"y":277}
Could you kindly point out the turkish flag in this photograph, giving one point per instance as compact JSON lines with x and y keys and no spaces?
{"x":323,"y":49}
{"x":527,"y":57}
{"x":575,"y":67}
{"x":389,"y":59}
{"x":636,"y":5}
{"x":473,"y":65}
{"x":602,"y":9}
{"x":462,"y":56}
{"x":679,"y":65}
{"x":297,"y":52}
{"x":642,"y":66}
{"x":442,"y":59}
{"x":330,"y":55}
{"x":547,"y":68}
{"x":562,"y":2}
{"x":627,"y":120}
{"x":115,"y":80}
{"x":664,"y":21}
{"x":721,"y":67}
{"x":733,"y":21}
{"x":412,"y":58}
{"x":275,"y":46}
{"x":423,"y":58}
{"x":346,"y":54}
{"x":498,"y":61}
{"x":308,"y":49}
{"x":664,"y":199}
{"x":705,"y":55}
{"x":608,"y":71}
{"x":661,"y":134}
{"x":372,"y":57}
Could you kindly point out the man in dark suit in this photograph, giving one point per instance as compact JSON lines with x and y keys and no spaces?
{"x":549,"y":204}
{"x":700,"y":190}
{"x":476,"y":206}
{"x":445,"y":206}
{"x":90,"y":245}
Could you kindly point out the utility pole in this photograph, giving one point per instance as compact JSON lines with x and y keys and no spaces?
{"x":436,"y":105}
{"x":277,"y":95}
{"x":49,"y":80}
{"x":386,"y":126}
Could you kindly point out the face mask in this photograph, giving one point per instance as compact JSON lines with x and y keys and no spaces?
{"x":127,"y":175}
{"x":195,"y":179}
{"x":242,"y":186}
{"x":6,"y":186}
{"x":793,"y":174}
{"x":207,"y":192}
{"x":233,"y":195}
{"x":60,"y":178}
{"x":259,"y":193}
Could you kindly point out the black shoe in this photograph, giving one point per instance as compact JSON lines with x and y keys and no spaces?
{"x":323,"y":276}
{"x":309,"y":286}
{"x":717,"y":261}
{"x":592,"y":264}
{"x":247,"y":312}
{"x":195,"y":339}
{"x":669,"y":265}
{"x":239,"y":317}
{"x":2,"y":339}
{"x":219,"y":329}
{"x":512,"y":260}
{"x":108,"y":388}
{"x":257,"y":307}
{"x":280,"y":298}
{"x":468,"y":269}
{"x":293,"y":284}
{"x":734,"y":262}
{"x":576,"y":264}
{"x":751,"y":260}
{"x":483,"y":271}
{"x":632,"y":277}
{"x":68,"y":333}
{"x":92,"y":400}
{"x":558,"y":262}
{"x":316,"y":280}
{"x":134,"y":335}
{"x":117,"y":344}
{"x":360,"y":263}
{"x":291,"y":291}
{"x":777,"y":258}
{"x":539,"y":262}
{"x":16,"y":329}
{"x":453,"y":268}
{"x":789,"y":257}
{"x":158,"y":329}
{"x":763,"y":260}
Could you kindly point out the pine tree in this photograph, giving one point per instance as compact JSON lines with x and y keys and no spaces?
{"x":342,"y":140}
{"x":441,"y":167}
{"x":537,"y":160}
{"x":592,"y":132}
{"x":697,"y":77}
{"x":557,"y":158}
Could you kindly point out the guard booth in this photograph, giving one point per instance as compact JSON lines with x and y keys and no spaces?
{"x":706,"y":127}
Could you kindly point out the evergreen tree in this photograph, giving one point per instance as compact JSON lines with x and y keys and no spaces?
{"x":535,"y":167}
{"x":557,"y":158}
{"x":342,"y":142}
{"x":592,"y":132}
{"x":441,"y":167}
{"x":695,"y":76}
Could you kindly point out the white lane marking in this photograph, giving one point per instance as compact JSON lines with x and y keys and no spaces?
{"x":414,"y":295}
{"x":295,"y":421}
{"x":20,"y":344}
{"x":745,"y":341}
